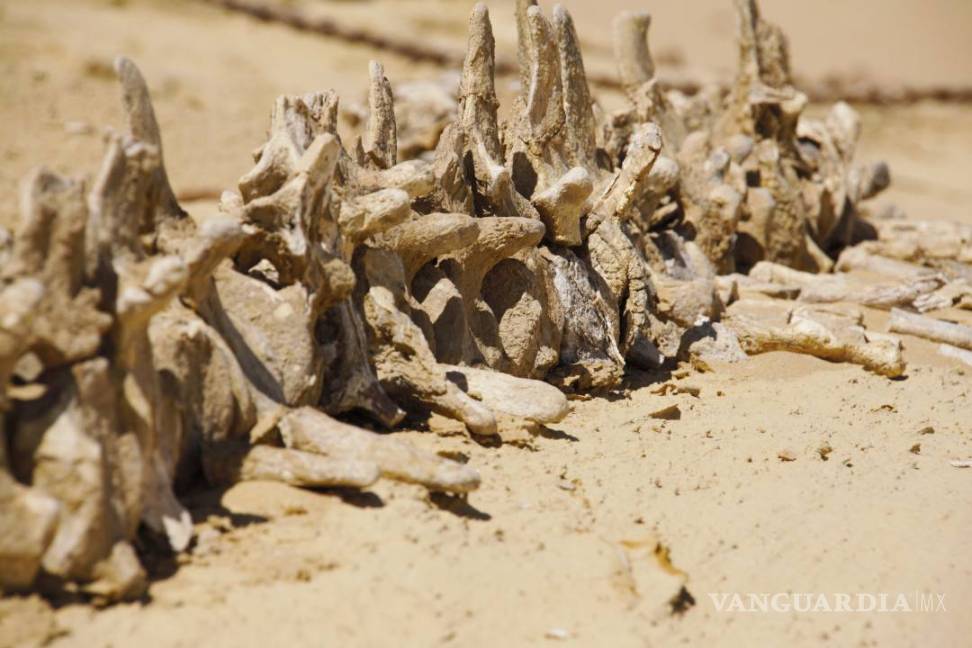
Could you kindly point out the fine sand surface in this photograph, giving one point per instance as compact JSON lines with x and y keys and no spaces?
{"x":584,"y":535}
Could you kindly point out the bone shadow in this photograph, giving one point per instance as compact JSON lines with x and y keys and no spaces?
{"x":458,"y":506}
{"x":556,"y":435}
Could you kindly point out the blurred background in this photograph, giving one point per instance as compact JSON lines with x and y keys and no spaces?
{"x":215,"y":72}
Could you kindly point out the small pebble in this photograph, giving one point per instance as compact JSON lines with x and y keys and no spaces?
{"x":558,"y":633}
{"x":688,"y":388}
{"x":78,"y":128}
{"x":668,"y":413}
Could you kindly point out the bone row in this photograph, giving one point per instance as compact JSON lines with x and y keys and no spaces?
{"x":501,"y":266}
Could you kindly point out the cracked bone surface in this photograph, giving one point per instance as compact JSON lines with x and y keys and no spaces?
{"x":446,"y":262}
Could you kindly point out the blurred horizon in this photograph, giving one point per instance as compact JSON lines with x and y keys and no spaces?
{"x":888,"y":41}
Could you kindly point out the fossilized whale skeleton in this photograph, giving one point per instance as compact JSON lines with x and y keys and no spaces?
{"x":141,"y":347}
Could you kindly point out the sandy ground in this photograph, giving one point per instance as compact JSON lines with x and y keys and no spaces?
{"x":566,"y":540}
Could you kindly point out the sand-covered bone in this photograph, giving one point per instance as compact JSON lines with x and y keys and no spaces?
{"x":827,"y":288}
{"x":711,"y":192}
{"x":707,"y":343}
{"x":757,"y":180}
{"x":558,"y":244}
{"x":860,"y":257}
{"x":404,"y":363}
{"x":636,"y":71}
{"x":377,"y":357}
{"x":304,"y":430}
{"x":556,"y":157}
{"x":956,"y":335}
{"x":423,"y":109}
{"x":925,"y":242}
{"x":962,"y":355}
{"x":385,"y":256}
{"x":93,"y":443}
{"x":829,"y":333}
{"x":527,"y":402}
{"x":141,"y":388}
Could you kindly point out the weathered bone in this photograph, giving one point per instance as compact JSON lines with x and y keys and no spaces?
{"x":424,"y":239}
{"x":923,"y":242}
{"x":27,"y":516}
{"x":859,"y":258}
{"x":553,"y":137}
{"x":29,"y":519}
{"x":532,"y":401}
{"x":562,"y":204}
{"x":50,"y":246}
{"x":403,"y":361}
{"x":143,"y":127}
{"x":498,"y":238}
{"x":423,"y":110}
{"x":229,"y":465}
{"x":930,"y":328}
{"x":711,"y":342}
{"x":764,"y":326}
{"x":957,"y":293}
{"x":828,"y":288}
{"x":580,"y":126}
{"x":476,"y":133}
{"x":99,"y":416}
{"x":589,"y":353}
{"x":139,"y":347}
{"x":712,"y":197}
{"x":827,"y":147}
{"x":961,"y":355}
{"x":311,"y":431}
{"x":381,"y":146}
{"x":637,"y":72}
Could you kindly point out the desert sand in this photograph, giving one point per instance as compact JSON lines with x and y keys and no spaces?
{"x":782,"y":473}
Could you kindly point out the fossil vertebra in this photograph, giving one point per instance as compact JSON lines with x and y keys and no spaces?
{"x":141,"y":347}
